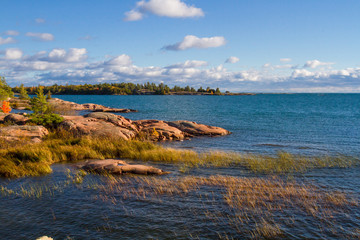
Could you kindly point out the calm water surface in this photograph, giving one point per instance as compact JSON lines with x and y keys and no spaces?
{"x":299,"y":123}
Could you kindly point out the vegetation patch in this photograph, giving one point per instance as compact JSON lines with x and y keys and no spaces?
{"x":35,"y":159}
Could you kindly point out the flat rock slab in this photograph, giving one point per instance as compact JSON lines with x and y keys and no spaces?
{"x":18,"y":133}
{"x":108,"y":124}
{"x":88,"y":106}
{"x":114,"y":166}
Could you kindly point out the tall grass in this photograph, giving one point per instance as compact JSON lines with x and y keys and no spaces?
{"x":21,"y":160}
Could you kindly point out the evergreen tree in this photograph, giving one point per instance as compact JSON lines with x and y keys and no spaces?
{"x":217,"y":92}
{"x":23,"y":93}
{"x":48,"y":95}
{"x":39,"y":104}
{"x":5,"y":89}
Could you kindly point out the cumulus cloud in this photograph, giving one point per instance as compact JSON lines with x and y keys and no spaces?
{"x":73,"y":67}
{"x":11,"y":33}
{"x":191,"y":41}
{"x":6,"y":40}
{"x":121,"y":60}
{"x":232,"y":60}
{"x":40,"y":20}
{"x":189,"y":64}
{"x":61,"y":55}
{"x":285,"y":60}
{"x":13,"y":53}
{"x":163,"y":8}
{"x":133,"y":15}
{"x":40,"y":36}
{"x":300,"y":73}
{"x":316,"y":63}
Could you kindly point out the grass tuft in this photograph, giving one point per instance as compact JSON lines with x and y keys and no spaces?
{"x":21,"y":160}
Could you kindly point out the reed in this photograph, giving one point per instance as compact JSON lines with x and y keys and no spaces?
{"x":20,"y":160}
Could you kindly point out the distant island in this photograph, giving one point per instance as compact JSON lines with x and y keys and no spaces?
{"x":124,"y":89}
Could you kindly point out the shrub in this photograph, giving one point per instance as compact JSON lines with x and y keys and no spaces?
{"x":49,"y":120}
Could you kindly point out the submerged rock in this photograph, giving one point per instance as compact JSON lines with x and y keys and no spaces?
{"x":113,"y":166}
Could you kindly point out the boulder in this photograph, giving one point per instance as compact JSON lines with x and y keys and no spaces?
{"x":113,"y":166}
{"x":157,"y":130}
{"x":15,"y":119}
{"x":100,"y":124}
{"x":196,"y":129}
{"x":18,"y":133}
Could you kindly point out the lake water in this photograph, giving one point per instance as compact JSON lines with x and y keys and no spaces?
{"x":265,"y":123}
{"x":312,"y":124}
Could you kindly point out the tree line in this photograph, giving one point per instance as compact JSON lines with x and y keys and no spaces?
{"x":116,"y":89}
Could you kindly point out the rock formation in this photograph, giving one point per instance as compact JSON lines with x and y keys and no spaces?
{"x":21,"y":133}
{"x":87,"y":106}
{"x":107,"y":124}
{"x":113,"y":166}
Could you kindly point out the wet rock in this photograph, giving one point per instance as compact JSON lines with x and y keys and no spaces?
{"x":113,"y":166}
{"x":20,"y":133}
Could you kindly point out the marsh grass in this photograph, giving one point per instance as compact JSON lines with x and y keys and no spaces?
{"x":35,"y":159}
{"x":257,"y":207}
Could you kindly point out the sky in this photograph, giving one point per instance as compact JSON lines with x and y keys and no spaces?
{"x":236,"y":45}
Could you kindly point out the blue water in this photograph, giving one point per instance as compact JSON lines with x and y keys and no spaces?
{"x":264,"y":123}
{"x":299,"y":123}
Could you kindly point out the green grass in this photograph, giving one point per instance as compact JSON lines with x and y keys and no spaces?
{"x":25,"y":159}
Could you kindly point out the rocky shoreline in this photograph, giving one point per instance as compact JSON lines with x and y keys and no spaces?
{"x":101,"y":123}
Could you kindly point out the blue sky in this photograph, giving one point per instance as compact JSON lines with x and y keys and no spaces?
{"x":237,"y":45}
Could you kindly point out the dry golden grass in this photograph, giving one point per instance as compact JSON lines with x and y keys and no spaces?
{"x":35,"y":159}
{"x":256,"y":202}
{"x":253,"y":206}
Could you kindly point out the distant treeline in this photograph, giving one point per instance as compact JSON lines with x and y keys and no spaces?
{"x":119,"y":89}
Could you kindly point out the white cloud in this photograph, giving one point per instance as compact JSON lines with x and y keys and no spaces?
{"x":6,"y":40}
{"x":133,"y":15}
{"x":299,"y":73}
{"x":316,"y":63}
{"x":73,"y":67}
{"x":189,"y":64}
{"x":285,"y":59}
{"x":191,"y":41}
{"x":13,"y":53}
{"x":40,"y":20}
{"x":11,"y":33}
{"x":121,"y":60}
{"x":40,"y":36}
{"x":232,"y":60}
{"x":163,"y":8}
{"x":61,"y":55}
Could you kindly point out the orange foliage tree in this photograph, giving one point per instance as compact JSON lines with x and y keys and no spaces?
{"x":5,"y":107}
